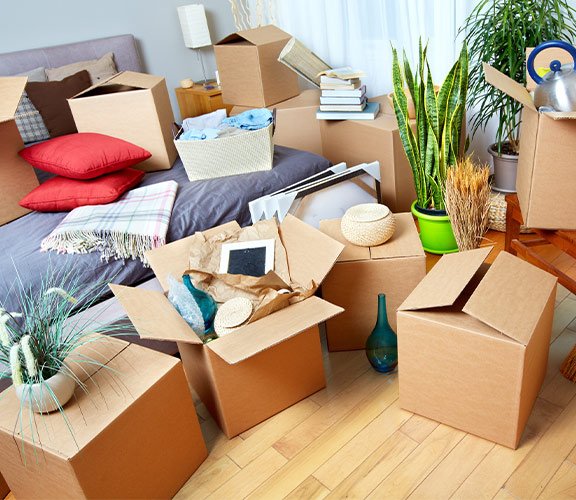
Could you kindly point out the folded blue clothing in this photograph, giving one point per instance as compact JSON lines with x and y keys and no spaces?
{"x":253,"y":119}
{"x":199,"y":135}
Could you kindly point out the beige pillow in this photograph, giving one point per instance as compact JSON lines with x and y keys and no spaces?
{"x":99,"y":69}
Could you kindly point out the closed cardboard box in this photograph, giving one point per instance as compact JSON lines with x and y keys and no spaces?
{"x":261,"y":368}
{"x":365,"y":141}
{"x":545,"y":180}
{"x":134,"y":107}
{"x":17,"y":178}
{"x":133,"y":434}
{"x":473,"y":343}
{"x":361,"y":273}
{"x":296,"y":123}
{"x":249,"y":70}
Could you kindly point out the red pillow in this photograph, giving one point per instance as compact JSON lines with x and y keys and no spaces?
{"x":60,"y":194}
{"x":84,"y":156}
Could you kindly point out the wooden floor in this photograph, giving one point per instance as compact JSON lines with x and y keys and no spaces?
{"x":351,"y":440}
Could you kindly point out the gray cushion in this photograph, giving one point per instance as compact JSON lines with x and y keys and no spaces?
{"x":27,"y":117}
{"x":99,"y":69}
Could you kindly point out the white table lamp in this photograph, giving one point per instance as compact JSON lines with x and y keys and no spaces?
{"x":195,"y":29}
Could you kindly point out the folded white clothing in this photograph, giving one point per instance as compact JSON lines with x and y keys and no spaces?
{"x":209,"y":120}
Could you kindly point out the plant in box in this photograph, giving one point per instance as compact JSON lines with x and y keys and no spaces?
{"x":435,"y":143}
{"x":498,"y":32}
{"x":39,"y":343}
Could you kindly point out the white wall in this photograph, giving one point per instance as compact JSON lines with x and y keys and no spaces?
{"x":40,"y":23}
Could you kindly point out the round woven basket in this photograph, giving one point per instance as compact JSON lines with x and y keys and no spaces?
{"x":497,"y":213}
{"x":368,"y":224}
{"x":232,"y":315}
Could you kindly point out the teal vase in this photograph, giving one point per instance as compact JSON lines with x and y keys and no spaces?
{"x":382,"y":344}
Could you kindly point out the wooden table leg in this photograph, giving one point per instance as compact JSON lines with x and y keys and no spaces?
{"x":512,"y":224}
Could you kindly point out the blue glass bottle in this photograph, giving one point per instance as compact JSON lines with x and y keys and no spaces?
{"x":382,"y":344}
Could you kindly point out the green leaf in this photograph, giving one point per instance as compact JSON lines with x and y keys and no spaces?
{"x":431,"y":105}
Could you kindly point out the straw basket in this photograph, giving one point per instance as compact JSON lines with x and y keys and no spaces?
{"x":251,"y":151}
{"x":368,"y":224}
{"x":497,"y":213}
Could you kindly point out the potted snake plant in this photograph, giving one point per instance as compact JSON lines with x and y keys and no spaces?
{"x":432,"y":143}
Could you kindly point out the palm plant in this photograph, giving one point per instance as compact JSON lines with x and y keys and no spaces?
{"x":435,"y":143}
{"x":498,"y":32}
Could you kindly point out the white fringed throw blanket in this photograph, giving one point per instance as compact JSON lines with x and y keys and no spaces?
{"x":124,"y":229}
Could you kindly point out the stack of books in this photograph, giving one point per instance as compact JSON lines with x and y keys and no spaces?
{"x":344,"y":96}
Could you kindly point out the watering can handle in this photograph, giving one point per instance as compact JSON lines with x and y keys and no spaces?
{"x":555,"y":64}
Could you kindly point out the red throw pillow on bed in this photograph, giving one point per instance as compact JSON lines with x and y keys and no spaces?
{"x":60,"y":194}
{"x":84,"y":156}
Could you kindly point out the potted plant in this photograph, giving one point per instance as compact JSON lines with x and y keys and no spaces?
{"x":434,"y":144}
{"x":39,"y":343}
{"x":498,"y":32}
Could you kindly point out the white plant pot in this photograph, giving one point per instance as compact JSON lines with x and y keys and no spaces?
{"x":42,"y":399}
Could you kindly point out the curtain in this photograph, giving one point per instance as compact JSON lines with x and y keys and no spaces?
{"x":359,"y":33}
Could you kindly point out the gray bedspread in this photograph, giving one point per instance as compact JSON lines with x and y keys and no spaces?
{"x":199,"y":205}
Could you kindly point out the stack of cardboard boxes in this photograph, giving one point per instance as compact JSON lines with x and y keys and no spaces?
{"x":263,"y":81}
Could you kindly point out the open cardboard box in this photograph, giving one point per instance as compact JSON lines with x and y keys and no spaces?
{"x":249,"y":70}
{"x":133,"y":434}
{"x":263,"y":367}
{"x":134,"y":107}
{"x":545,"y":179}
{"x":473,"y":343}
{"x":361,"y":273}
{"x":296,"y":123}
{"x":17,"y":178}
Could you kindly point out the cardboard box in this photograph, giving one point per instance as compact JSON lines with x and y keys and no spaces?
{"x":134,"y":107}
{"x":361,"y":273}
{"x":359,"y":141}
{"x":17,"y":178}
{"x":296,"y":123}
{"x":545,"y":179}
{"x":4,"y":490}
{"x":249,"y":70}
{"x":262,"y":368}
{"x":473,"y":343}
{"x":135,"y":432}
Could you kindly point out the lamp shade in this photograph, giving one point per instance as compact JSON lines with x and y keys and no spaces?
{"x":194,"y":26}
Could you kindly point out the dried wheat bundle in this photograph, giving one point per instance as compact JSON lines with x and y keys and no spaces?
{"x":468,"y":202}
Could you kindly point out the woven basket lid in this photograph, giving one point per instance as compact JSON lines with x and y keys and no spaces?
{"x":233,"y":313}
{"x":367,"y":212}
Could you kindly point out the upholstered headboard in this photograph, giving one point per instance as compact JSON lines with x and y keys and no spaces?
{"x":123,"y":46}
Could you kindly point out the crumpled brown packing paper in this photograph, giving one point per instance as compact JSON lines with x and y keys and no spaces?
{"x":261,"y":291}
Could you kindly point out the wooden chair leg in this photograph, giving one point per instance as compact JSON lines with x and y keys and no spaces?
{"x":512,"y":229}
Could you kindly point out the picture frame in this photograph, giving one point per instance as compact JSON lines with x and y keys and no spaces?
{"x":251,"y":258}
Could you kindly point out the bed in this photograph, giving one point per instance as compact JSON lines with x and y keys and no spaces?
{"x":198,"y":206}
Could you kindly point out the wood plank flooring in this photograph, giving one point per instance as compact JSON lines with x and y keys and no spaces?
{"x":351,"y":440}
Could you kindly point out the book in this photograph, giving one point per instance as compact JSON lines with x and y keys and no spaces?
{"x":343,"y":107}
{"x":345,"y":86}
{"x":303,"y":61}
{"x":341,"y":100}
{"x":328,"y":80}
{"x":359,"y":92}
{"x":369,"y":113}
{"x":344,"y":73}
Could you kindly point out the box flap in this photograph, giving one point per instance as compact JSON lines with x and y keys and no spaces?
{"x":508,"y":86}
{"x":405,"y":241}
{"x":153,"y":315}
{"x":174,"y":258}
{"x":511,"y":296}
{"x":311,"y":253}
{"x":567,"y":115}
{"x":273,"y":329}
{"x":351,"y":252}
{"x":11,"y":88}
{"x":446,"y":280}
{"x":257,"y":36}
{"x":125,"y":78}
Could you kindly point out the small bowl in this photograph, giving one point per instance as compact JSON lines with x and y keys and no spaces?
{"x":368,"y":224}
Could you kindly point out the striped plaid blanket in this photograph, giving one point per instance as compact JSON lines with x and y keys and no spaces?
{"x":124,"y":229}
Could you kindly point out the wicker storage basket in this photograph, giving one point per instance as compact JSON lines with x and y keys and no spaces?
{"x":251,"y":151}
{"x":368,"y":224}
{"x":497,"y":213}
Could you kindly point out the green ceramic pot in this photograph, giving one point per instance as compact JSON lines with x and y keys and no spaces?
{"x":435,"y":230}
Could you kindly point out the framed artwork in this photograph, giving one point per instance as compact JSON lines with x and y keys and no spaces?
{"x":251,"y":258}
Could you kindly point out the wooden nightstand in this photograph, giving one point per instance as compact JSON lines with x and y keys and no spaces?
{"x":197,"y":100}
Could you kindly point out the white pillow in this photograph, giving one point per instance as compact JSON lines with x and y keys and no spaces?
{"x":99,"y":69}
